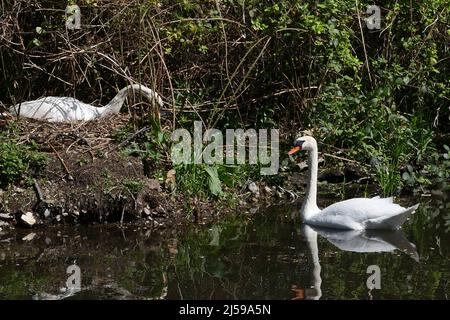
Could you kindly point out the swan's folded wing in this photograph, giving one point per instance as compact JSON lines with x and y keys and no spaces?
{"x":391,"y":222}
{"x":354,"y":213}
{"x":56,"y":109}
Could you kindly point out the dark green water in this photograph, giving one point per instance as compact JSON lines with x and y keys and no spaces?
{"x":267,"y":256}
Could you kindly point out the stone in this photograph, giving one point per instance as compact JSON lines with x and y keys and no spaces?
{"x":147,"y":211}
{"x":28,"y":219}
{"x":5,"y":216}
{"x":302,"y":165}
{"x":29,"y":237}
{"x":3,"y":225}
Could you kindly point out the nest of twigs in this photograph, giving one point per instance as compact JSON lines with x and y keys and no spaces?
{"x":82,"y":137}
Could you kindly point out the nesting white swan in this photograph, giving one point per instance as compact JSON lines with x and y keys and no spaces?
{"x":66,"y":109}
{"x":352,"y":214}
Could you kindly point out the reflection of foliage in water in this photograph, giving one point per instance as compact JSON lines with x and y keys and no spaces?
{"x":224,"y":261}
{"x":239,"y":257}
{"x":19,"y":283}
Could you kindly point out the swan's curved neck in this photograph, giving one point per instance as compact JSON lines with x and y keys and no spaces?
{"x":117,"y":102}
{"x":309,"y":207}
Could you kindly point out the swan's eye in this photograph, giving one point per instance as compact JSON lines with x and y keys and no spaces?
{"x":299,"y":143}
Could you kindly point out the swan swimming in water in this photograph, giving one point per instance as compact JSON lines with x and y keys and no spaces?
{"x":67,"y":109}
{"x":352,"y":214}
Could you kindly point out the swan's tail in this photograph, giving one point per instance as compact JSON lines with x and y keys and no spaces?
{"x":391,"y":222}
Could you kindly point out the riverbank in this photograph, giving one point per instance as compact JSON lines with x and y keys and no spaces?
{"x":90,"y":178}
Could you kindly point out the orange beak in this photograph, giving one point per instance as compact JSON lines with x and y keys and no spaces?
{"x":294,"y":150}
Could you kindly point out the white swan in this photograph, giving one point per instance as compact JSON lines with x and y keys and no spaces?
{"x":353,"y":214}
{"x":66,"y":109}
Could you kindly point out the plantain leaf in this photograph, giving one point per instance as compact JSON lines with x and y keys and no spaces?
{"x":214,"y":183}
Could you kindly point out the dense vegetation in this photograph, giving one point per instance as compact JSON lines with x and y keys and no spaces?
{"x":380,"y":97}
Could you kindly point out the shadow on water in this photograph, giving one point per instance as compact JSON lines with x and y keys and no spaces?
{"x":267,"y":256}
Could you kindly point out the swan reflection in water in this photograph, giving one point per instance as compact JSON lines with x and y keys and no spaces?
{"x":361,"y":241}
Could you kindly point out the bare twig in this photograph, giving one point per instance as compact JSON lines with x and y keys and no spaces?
{"x":38,"y":191}
{"x":62,"y":162}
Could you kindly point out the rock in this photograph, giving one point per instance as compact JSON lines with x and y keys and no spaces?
{"x":147,"y":211}
{"x":46,"y":213}
{"x":3,"y":225}
{"x":253,"y":188}
{"x":302,"y":165}
{"x":268,"y":190}
{"x":29,"y":237}
{"x":28,"y":219}
{"x":5,"y":216}
{"x":46,"y":209}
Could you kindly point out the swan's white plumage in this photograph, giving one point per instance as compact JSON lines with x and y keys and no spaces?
{"x":352,"y":214}
{"x":67,"y":109}
{"x":57,"y":109}
{"x":358,"y":214}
